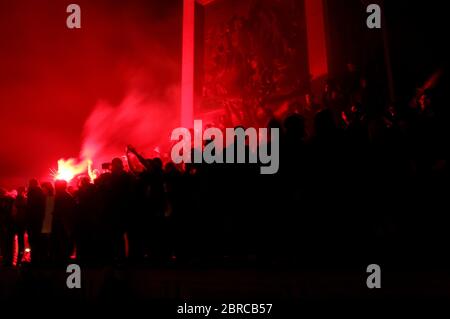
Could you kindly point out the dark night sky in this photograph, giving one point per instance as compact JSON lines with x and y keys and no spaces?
{"x":52,"y":77}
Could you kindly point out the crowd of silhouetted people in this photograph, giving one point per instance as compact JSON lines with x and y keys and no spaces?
{"x":354,"y":185}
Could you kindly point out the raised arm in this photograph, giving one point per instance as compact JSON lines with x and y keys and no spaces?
{"x":142,"y":160}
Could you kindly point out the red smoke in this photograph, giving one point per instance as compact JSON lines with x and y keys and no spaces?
{"x":138,"y":120}
{"x":94,"y":90}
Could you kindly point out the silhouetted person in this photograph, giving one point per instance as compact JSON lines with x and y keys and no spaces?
{"x":87,"y":222}
{"x":63,"y":223}
{"x":149,"y":227}
{"x":119,"y":204}
{"x":139,"y":228}
{"x":35,"y":215}
{"x":294,"y":167}
{"x":20,"y":221}
{"x":6,"y":227}
{"x":293,"y":145}
{"x":175,"y":207}
{"x":157,"y":210}
{"x":103,"y":225}
{"x":45,"y":250}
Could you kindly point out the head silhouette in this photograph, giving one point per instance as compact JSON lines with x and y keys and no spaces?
{"x":20,"y":190}
{"x":295,"y":126}
{"x":47,"y":188}
{"x":324,"y":123}
{"x":117,"y":166}
{"x":60,"y":186}
{"x":33,"y":183}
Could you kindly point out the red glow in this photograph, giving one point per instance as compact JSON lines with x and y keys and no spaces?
{"x":69,"y":169}
{"x":187,"y":73}
{"x":56,"y":80}
{"x":317,"y":52}
{"x":93,"y":173}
